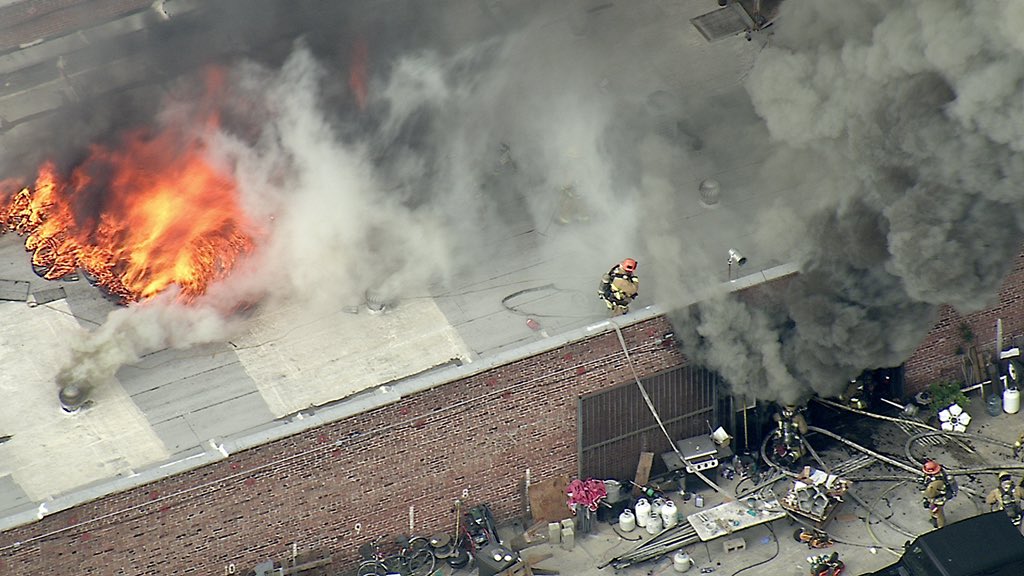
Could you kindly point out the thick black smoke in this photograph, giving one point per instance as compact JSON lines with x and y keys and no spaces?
{"x":904,"y":119}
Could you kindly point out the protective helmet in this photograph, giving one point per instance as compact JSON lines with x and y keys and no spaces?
{"x":931,"y":468}
{"x":1005,"y":477}
{"x":629,"y":265}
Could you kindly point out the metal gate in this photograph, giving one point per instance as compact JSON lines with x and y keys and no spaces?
{"x":614,"y":426}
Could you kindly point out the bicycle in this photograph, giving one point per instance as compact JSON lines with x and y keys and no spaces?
{"x":414,"y":558}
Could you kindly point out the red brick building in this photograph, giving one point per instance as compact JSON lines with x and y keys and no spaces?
{"x":331,"y":488}
{"x":471,"y":439}
{"x":334,"y":487}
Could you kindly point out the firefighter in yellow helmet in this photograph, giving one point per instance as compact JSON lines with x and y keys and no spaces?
{"x":619,"y":287}
{"x":1006,"y":497}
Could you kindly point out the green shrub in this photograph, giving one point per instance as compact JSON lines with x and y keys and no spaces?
{"x":946,"y":393}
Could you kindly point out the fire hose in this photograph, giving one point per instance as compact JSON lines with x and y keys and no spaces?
{"x":654,"y":412}
{"x":908,"y":449}
{"x":854,"y":497}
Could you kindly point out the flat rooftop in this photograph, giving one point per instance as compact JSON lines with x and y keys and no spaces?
{"x":178,"y":407}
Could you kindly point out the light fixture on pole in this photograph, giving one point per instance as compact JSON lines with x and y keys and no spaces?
{"x":735,"y":258}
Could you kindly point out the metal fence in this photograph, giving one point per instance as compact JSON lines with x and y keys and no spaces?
{"x":614,"y":426}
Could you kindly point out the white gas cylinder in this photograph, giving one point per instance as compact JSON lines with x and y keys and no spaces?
{"x":1011,"y":400}
{"x":669,"y":514}
{"x":627,"y":522}
{"x":643,"y":512}
{"x":656,"y":505}
{"x":681,"y":561}
{"x":653,"y":525}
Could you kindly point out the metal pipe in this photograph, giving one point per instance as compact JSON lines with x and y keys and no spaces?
{"x":872,"y":453}
{"x":873,"y":415}
{"x":889,"y":419}
{"x":814,"y":455}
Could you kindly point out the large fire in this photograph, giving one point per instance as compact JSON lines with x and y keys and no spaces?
{"x":139,"y":219}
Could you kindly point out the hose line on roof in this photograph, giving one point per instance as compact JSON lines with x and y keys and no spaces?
{"x":654,"y":411}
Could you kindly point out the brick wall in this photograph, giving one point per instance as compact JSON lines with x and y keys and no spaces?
{"x":936,"y":358}
{"x":478,"y":434}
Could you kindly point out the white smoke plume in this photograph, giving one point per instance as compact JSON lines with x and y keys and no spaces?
{"x":908,"y":121}
{"x":130,"y":333}
{"x":455,"y":147}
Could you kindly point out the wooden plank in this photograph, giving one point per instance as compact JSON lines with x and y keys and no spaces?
{"x":548,"y":499}
{"x":643,"y":470}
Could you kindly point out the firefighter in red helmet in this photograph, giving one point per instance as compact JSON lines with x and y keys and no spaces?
{"x":619,"y":286}
{"x":938,"y":489}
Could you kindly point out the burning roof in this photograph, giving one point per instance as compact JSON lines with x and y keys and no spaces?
{"x":137,"y":220}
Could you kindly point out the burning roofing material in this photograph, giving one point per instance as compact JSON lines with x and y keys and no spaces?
{"x":909,"y":151}
{"x":136,"y":221}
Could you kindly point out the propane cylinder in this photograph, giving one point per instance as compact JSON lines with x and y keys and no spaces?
{"x":653,"y":525}
{"x":656,"y":506}
{"x":643,"y":512}
{"x":670,"y":514}
{"x":681,"y":561}
{"x":1011,"y":400}
{"x":627,"y":522}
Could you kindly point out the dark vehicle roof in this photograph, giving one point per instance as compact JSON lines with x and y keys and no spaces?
{"x":986,"y":544}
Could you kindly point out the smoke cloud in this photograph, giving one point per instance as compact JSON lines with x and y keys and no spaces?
{"x":390,"y":149}
{"x":907,"y":119}
{"x":389,"y":156}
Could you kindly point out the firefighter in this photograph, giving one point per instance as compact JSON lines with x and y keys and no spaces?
{"x":938,"y":489}
{"x":1007,"y":497}
{"x":791,"y":415}
{"x":791,"y":427}
{"x":619,"y":287}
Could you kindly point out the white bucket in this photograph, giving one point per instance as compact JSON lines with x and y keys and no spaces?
{"x":670,"y":514}
{"x":643,"y":512}
{"x":653,"y":525}
{"x":627,"y":522}
{"x":1011,"y":400}
{"x":681,"y":562}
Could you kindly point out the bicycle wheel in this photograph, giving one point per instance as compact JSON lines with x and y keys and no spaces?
{"x":395,"y":564}
{"x":417,"y":543}
{"x":372,"y":568}
{"x":420,"y":563}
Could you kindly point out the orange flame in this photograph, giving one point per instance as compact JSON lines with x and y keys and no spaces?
{"x":139,"y":219}
{"x":358,"y":72}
